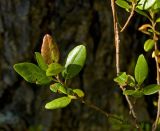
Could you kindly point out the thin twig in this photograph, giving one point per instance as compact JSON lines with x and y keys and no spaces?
{"x":108,"y":115}
{"x":131,"y":108}
{"x":91,"y":105}
{"x":133,"y":113}
{"x":116,"y":36}
{"x":117,"y":43}
{"x":130,"y":16}
{"x":154,"y":127}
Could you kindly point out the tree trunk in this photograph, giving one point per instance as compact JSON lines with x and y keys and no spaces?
{"x":23,"y":24}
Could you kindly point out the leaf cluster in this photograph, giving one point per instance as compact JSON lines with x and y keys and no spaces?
{"x":136,"y":81}
{"x":49,"y":71}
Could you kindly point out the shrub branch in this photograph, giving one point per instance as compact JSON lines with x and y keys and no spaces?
{"x":130,"y":17}
{"x":117,"y":45}
{"x":155,"y":124}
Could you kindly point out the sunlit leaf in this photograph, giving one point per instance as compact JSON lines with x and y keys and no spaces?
{"x":75,"y":61}
{"x":158,"y":20}
{"x":155,"y":53}
{"x":135,"y":93}
{"x":54,"y":69}
{"x":41,"y":61}
{"x":32,"y":73}
{"x":145,"y":4}
{"x":151,"y":89}
{"x":156,"y":6}
{"x":123,"y":4}
{"x":71,"y":94}
{"x":141,"y":69}
{"x":79,"y":92}
{"x":121,"y":79}
{"x":58,"y":103}
{"x":58,"y":88}
{"x":148,"y":45}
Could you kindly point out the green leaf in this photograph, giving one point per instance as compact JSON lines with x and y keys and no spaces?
{"x":71,"y":71}
{"x":145,"y":4}
{"x":123,"y":4}
{"x":71,"y":94}
{"x":158,"y":20}
{"x":135,"y":93}
{"x":41,"y":61}
{"x":58,"y":103}
{"x":75,"y":61}
{"x":148,"y":45}
{"x":70,"y":91}
{"x":32,"y":73}
{"x":58,"y":87}
{"x":141,"y":12}
{"x":121,"y":79}
{"x":151,"y":89}
{"x":79,"y":92}
{"x":131,"y":81}
{"x":156,"y":5}
{"x":54,"y":69}
{"x":141,"y":69}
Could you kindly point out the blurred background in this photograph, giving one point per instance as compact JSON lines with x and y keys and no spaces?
{"x":23,"y":23}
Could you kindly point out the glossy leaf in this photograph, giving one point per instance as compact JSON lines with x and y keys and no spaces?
{"x":145,"y":4}
{"x":141,"y":69}
{"x":79,"y":92}
{"x":41,"y":61}
{"x":135,"y":93}
{"x":151,"y":89}
{"x":121,"y":79}
{"x":123,"y":4}
{"x":58,"y":88}
{"x":75,"y":61}
{"x":54,"y":69}
{"x":148,"y":45}
{"x":58,"y":103}
{"x":49,"y":50}
{"x":32,"y":73}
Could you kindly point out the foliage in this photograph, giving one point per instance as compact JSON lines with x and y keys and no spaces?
{"x":58,"y":103}
{"x":141,"y":72}
{"x":48,"y":71}
{"x":150,"y":10}
{"x":75,"y":62}
{"x":144,"y":7}
{"x":32,"y":73}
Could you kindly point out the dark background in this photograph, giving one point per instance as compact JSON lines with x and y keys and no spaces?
{"x":23,"y":23}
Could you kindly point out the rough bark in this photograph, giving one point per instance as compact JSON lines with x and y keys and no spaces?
{"x":22,"y":26}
